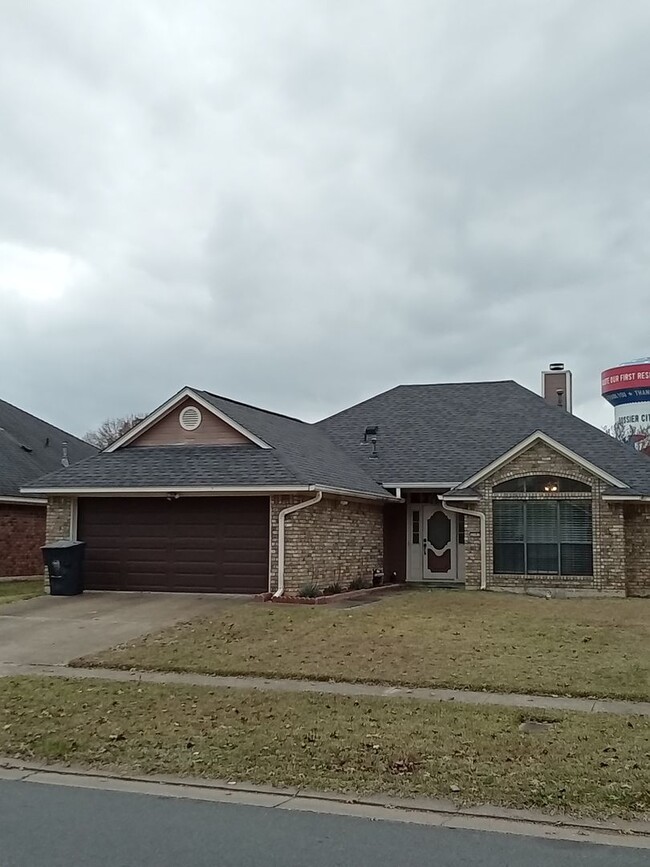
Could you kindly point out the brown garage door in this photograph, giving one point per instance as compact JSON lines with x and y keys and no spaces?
{"x":193,"y":544}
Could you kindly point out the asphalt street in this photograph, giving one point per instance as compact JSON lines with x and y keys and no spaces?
{"x":61,"y":826}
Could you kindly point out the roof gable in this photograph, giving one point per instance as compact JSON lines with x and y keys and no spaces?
{"x":291,"y":453}
{"x":158,"y":416}
{"x":524,"y":445}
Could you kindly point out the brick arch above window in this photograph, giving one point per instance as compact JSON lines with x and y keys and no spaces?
{"x":541,"y":484}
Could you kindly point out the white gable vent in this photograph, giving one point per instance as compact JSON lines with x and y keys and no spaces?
{"x":190,"y":418}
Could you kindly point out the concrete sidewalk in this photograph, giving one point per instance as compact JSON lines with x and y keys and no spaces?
{"x":543,"y":702}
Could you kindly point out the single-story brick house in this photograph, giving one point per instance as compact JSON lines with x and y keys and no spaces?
{"x":29,"y":447}
{"x":484,"y":485}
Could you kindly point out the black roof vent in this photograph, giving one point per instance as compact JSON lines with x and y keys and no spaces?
{"x":370,"y":432}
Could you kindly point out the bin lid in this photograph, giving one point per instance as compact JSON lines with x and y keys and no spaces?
{"x":61,"y":543}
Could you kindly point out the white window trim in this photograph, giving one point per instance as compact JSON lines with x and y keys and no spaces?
{"x":540,"y":436}
{"x":174,"y":401}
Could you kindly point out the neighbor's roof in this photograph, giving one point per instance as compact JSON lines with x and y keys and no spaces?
{"x":449,"y":432}
{"x":300,"y":455}
{"x":30,"y":447}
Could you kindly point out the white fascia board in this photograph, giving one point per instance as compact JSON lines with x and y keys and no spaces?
{"x":540,"y":436}
{"x":445,"y":498}
{"x":170,"y":489}
{"x":23,"y":501}
{"x":173,"y":401}
{"x":408,"y":485}
{"x":616,"y":498}
{"x":212,"y":489}
{"x":359,"y":495}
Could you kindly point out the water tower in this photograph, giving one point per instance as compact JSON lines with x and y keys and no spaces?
{"x":627,"y":388}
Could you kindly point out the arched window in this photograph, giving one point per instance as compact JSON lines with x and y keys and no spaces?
{"x":542,"y":535}
{"x":541,"y":485}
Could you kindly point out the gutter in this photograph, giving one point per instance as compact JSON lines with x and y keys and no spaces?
{"x":474,"y":513}
{"x":23,"y":501}
{"x":207,"y":489}
{"x":171,"y":489}
{"x":623,"y":499}
{"x":281,"y":519}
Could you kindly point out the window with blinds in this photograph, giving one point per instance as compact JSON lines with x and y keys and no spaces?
{"x":543,"y":537}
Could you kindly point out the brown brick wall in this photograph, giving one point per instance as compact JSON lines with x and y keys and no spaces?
{"x":327,"y":542}
{"x":22,"y":532}
{"x":637,"y":550}
{"x":608,"y":529}
{"x":473,"y":551}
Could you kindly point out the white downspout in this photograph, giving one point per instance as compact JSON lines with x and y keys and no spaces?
{"x":481,"y":516}
{"x":283,"y":514}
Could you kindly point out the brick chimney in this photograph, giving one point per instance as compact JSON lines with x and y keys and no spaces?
{"x":557,"y":388}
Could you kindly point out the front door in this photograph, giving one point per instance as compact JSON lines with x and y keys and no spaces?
{"x":438,"y":544}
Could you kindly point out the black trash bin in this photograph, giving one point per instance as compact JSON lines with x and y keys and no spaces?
{"x":64,"y":561}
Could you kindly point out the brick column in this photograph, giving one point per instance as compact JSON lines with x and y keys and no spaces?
{"x":58,"y":523}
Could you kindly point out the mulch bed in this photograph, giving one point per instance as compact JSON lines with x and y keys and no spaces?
{"x":382,"y":590}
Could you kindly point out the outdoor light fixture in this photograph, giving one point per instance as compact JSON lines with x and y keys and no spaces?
{"x":551,"y":486}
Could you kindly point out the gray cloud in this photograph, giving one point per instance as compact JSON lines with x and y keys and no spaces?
{"x":302,"y":204}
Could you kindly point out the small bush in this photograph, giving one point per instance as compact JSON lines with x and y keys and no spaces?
{"x":359,"y":584}
{"x":310,"y":591}
{"x":332,"y":589}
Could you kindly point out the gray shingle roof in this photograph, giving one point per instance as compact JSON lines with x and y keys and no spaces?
{"x":451,"y":431}
{"x":175,"y":466}
{"x":427,"y":433}
{"x":30,"y":447}
{"x":303,"y":448}
{"x":300,"y":455}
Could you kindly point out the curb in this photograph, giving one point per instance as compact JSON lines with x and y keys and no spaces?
{"x":430,"y":811}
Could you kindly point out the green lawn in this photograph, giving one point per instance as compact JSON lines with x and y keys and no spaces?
{"x":594,"y":765}
{"x":481,"y":641}
{"x":12,"y":591}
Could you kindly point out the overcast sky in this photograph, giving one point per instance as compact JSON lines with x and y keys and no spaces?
{"x":302,"y":203}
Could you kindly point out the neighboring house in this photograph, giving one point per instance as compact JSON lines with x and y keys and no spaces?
{"x":29,"y":447}
{"x":482,"y":485}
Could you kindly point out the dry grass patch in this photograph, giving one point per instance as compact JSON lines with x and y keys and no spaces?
{"x":595,"y":765}
{"x":14,"y":591}
{"x":481,"y":641}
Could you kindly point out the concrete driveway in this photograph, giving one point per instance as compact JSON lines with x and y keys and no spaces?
{"x":52,"y":630}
